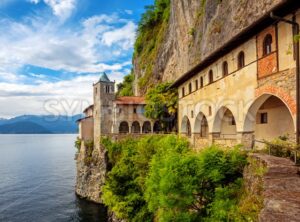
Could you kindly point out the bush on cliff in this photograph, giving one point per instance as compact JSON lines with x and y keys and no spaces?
{"x":125,"y":88}
{"x":151,"y":33}
{"x":159,"y":178}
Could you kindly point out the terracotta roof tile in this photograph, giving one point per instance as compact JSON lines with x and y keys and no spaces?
{"x":130,"y":100}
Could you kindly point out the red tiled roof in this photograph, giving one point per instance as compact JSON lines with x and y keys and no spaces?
{"x":130,"y":100}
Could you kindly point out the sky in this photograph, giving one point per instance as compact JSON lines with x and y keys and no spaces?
{"x":52,"y":51}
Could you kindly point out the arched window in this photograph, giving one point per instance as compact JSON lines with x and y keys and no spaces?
{"x":267,"y":45}
{"x":183,"y":93}
{"x":124,"y":127}
{"x":190,"y":87}
{"x":147,"y":127}
{"x":135,"y":128}
{"x":225,"y":68}
{"x":201,"y":82}
{"x":241,"y":60}
{"x":196,"y":84}
{"x":210,"y":76}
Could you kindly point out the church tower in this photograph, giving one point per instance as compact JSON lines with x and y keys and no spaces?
{"x":104,"y":94}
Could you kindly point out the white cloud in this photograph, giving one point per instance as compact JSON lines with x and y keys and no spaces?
{"x":47,"y":45}
{"x":34,"y":1}
{"x":123,"y":36}
{"x":65,"y":97}
{"x":97,"y":44}
{"x":129,"y":12}
{"x":61,"y":8}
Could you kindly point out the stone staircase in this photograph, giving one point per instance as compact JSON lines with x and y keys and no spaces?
{"x":281,"y":190}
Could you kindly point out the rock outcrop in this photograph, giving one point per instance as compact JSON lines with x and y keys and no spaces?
{"x":91,"y":171}
{"x":196,"y":29}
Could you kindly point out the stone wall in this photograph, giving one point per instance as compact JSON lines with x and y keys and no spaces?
{"x":226,"y":142}
{"x":280,"y":189}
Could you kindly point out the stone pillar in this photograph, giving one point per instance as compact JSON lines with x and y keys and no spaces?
{"x":246,"y":139}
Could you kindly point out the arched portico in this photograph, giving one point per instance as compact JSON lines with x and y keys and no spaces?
{"x":201,"y":126}
{"x":186,"y":126}
{"x":147,"y":127}
{"x":124,"y":127}
{"x":224,"y":124}
{"x":269,"y":117}
{"x":136,"y":127}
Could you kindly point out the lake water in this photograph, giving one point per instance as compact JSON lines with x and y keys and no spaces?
{"x":37,"y":178}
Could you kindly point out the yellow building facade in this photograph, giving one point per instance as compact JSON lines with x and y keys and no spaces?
{"x":245,"y":92}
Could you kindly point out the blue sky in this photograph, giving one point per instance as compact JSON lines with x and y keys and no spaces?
{"x":52,"y":51}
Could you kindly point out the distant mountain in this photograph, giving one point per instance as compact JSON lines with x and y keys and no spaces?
{"x":23,"y":128}
{"x":40,"y":124}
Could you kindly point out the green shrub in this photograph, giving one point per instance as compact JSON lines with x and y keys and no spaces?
{"x":162,"y":105}
{"x":89,"y":148}
{"x":185,"y":186}
{"x":78,"y":144}
{"x":150,"y":35}
{"x":126,"y":87}
{"x":282,"y":147}
{"x":159,"y":178}
{"x":124,"y":190}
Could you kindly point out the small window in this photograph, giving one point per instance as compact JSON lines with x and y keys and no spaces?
{"x":264,"y":118}
{"x":241,"y":60}
{"x":211,"y":76}
{"x":225,"y":68}
{"x":183,"y":93}
{"x":209,"y":111}
{"x":107,"y":89}
{"x":201,"y":82}
{"x":190,"y":87}
{"x":196,"y":84}
{"x":267,"y":45}
{"x":192,"y":114}
{"x":96,"y":90}
{"x":134,"y":110}
{"x":120,"y":110}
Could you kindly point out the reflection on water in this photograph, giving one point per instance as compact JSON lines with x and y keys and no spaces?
{"x":87,"y":211}
{"x":37,"y":178}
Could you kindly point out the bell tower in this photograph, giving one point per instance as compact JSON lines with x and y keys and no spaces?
{"x":104,"y":95}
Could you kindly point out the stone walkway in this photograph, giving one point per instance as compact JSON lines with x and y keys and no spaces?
{"x":281,"y":190}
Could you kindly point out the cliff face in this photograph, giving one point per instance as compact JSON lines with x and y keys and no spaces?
{"x":91,"y":170}
{"x":195,"y":29}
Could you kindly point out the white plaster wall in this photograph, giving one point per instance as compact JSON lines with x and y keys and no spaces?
{"x":279,"y":123}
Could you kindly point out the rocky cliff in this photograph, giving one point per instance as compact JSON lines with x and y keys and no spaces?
{"x":194,"y":30}
{"x":91,"y":170}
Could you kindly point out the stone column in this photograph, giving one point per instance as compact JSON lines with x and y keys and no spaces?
{"x":246,"y":139}
{"x":152,"y":125}
{"x":130,"y":127}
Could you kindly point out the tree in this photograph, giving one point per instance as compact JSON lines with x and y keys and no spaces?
{"x":126,"y":87}
{"x":162,"y":104}
{"x":183,"y":186}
